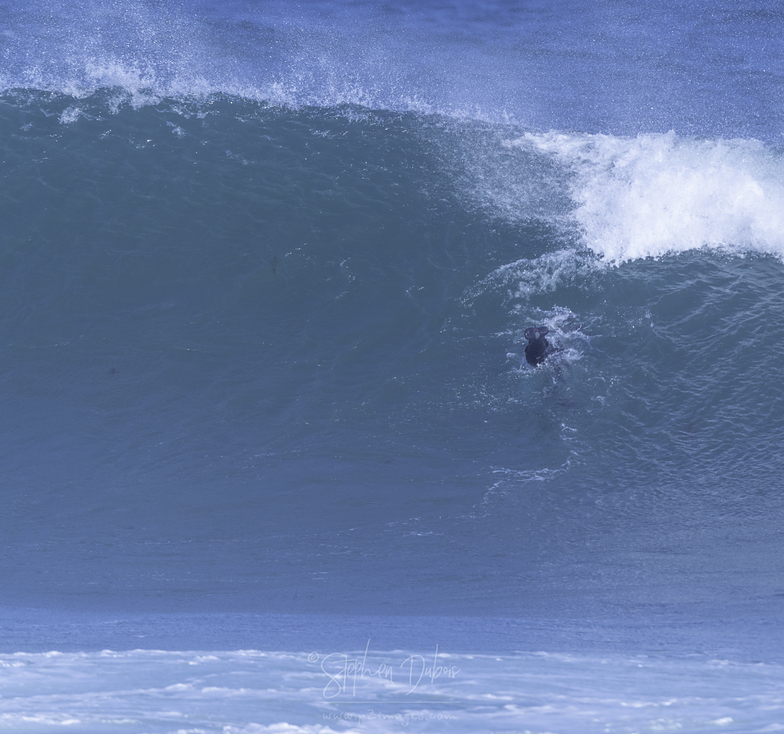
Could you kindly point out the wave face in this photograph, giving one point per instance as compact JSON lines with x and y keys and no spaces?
{"x":265,"y":274}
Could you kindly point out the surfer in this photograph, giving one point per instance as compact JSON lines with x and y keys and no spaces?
{"x":536,"y":349}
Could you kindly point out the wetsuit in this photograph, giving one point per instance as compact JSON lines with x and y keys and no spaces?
{"x":536,"y":349}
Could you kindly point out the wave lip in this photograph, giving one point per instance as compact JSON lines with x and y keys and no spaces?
{"x":658,"y":193}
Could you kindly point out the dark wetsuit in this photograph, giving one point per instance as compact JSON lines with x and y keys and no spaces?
{"x":536,"y":349}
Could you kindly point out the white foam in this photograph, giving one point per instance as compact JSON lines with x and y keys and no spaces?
{"x":657,"y":194}
{"x":69,"y":115}
{"x":136,"y":691}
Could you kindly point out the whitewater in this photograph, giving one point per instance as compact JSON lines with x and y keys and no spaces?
{"x":271,"y":458}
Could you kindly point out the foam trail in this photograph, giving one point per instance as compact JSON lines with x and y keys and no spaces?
{"x":657,"y":194}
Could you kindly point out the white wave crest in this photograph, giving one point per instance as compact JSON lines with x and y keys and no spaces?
{"x":657,"y":194}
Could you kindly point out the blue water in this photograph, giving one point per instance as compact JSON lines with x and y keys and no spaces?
{"x":265,"y":271}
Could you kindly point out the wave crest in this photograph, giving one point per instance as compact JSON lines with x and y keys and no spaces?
{"x":658,"y":194}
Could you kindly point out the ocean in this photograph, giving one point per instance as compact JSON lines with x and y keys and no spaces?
{"x":272,"y":459}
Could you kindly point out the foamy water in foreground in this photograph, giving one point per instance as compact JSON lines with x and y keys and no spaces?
{"x":371,"y":691}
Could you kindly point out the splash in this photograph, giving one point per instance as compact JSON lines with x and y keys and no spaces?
{"x":659,"y":194}
{"x":524,"y":278}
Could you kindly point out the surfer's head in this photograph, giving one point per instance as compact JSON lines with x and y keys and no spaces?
{"x":532,"y":333}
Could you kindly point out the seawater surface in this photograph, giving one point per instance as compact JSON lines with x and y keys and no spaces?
{"x":265,"y":272}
